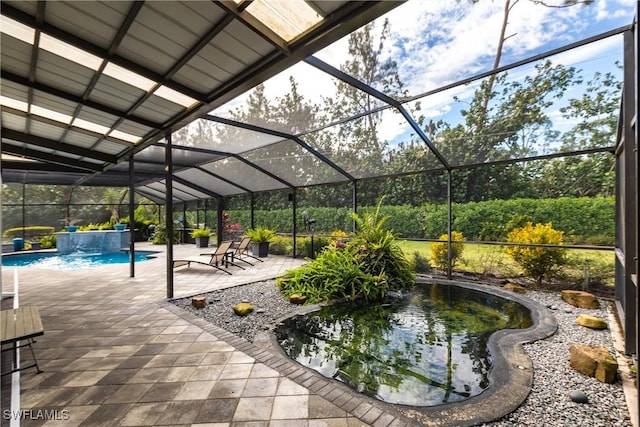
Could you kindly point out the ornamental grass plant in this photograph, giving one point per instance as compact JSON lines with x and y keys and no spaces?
{"x":369,"y":265}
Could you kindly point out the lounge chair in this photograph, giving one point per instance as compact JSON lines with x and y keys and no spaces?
{"x":213,"y":259}
{"x":229,"y":258}
{"x":242,"y":250}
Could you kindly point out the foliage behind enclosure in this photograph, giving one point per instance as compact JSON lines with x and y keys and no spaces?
{"x":583,"y":220}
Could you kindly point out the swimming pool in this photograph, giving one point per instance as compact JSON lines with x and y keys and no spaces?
{"x":75,"y":261}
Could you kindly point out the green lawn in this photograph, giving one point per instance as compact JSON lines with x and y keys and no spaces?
{"x":491,"y":259}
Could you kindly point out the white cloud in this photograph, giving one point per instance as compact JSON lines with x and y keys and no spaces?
{"x":440,"y":42}
{"x":443,"y":42}
{"x":619,"y":9}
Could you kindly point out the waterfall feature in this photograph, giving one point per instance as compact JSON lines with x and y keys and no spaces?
{"x":92,"y":242}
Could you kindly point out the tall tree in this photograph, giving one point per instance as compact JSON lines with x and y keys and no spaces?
{"x":503,"y":37}
{"x":113,"y":199}
{"x":513,"y":121}
{"x":596,"y":113}
{"x":358,"y":141}
{"x":505,"y":120}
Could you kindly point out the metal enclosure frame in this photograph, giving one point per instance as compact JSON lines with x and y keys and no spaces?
{"x":134,"y":167}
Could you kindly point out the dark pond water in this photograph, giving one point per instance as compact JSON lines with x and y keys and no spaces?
{"x":424,"y":348}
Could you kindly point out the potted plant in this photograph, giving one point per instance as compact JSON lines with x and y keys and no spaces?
{"x":201,"y":235}
{"x":260,"y":239}
{"x":71,"y":225}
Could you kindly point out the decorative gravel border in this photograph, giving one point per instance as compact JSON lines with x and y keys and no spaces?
{"x":531,"y":379}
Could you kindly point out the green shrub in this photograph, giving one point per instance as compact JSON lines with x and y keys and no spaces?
{"x":490,"y":232}
{"x":48,"y":242}
{"x":160,"y":235}
{"x":537,"y":262}
{"x":402,"y":219}
{"x":420,"y":263}
{"x":377,"y":249}
{"x":281,"y":245}
{"x":260,"y":234}
{"x":338,"y":237}
{"x":599,"y":240}
{"x":580,"y":218}
{"x":517,"y":221}
{"x":439,"y":250}
{"x":201,"y":232}
{"x":319,"y":244}
{"x":600,"y":271}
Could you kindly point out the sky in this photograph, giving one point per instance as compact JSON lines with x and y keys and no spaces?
{"x":440,"y":42}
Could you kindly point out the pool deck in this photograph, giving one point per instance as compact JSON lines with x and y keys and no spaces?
{"x":115,"y":352}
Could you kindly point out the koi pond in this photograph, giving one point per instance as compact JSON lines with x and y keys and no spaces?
{"x":425,"y":347}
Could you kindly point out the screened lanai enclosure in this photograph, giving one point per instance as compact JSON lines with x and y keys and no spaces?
{"x":246,"y":113}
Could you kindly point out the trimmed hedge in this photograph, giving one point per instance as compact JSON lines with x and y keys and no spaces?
{"x":583,"y":220}
{"x":31,"y":232}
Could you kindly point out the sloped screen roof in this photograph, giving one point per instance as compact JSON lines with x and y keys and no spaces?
{"x":87,"y":85}
{"x":257,"y":97}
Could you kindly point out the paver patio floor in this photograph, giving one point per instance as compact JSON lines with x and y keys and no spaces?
{"x":115,"y":352}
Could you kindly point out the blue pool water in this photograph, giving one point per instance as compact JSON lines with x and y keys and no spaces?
{"x":70,"y":261}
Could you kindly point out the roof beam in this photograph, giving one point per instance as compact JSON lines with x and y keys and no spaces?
{"x":51,"y":144}
{"x":38,"y":167}
{"x":34,"y":58}
{"x":195,"y":187}
{"x":223,"y":179}
{"x":522,"y":62}
{"x":345,"y":20}
{"x":74,"y":40}
{"x":151,"y":194}
{"x":50,"y":158}
{"x":78,"y":99}
{"x":115,"y":43}
{"x":175,"y":164}
{"x":235,"y":156}
{"x":297,"y":140}
{"x":358,"y":84}
{"x":255,"y":25}
{"x":193,"y":51}
{"x":140,"y":176}
{"x":217,"y":28}
{"x":61,"y":125}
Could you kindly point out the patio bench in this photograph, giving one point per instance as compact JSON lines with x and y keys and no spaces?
{"x":20,"y":324}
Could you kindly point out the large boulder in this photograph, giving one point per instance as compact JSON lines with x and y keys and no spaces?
{"x":243,"y":308}
{"x":594,"y":362}
{"x":592,"y":322}
{"x":580,"y":299}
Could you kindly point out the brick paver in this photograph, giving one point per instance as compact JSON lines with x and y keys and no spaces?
{"x":116,"y":353}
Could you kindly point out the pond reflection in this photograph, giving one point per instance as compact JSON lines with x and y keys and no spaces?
{"x":423,"y":348}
